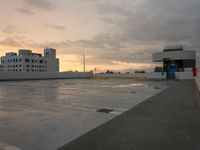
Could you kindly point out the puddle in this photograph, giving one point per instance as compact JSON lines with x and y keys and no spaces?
{"x":5,"y":146}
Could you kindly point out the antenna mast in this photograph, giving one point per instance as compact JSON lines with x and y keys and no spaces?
{"x":84,"y":61}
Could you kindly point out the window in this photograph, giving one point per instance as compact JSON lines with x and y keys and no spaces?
{"x":27,"y":60}
{"x":32,"y":60}
{"x":20,"y":65}
{"x":41,"y":61}
{"x":32,"y":66}
{"x":20,"y":60}
{"x":13,"y":60}
{"x":32,"y":70}
{"x":27,"y":70}
{"x":27,"y":66}
{"x":16,"y":60}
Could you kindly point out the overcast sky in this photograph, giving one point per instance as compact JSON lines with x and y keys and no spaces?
{"x":116,"y":34}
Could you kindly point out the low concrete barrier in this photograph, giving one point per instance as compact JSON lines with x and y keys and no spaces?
{"x":197,"y":78}
{"x":151,"y":76}
{"x":6,"y":76}
{"x":184,"y":75}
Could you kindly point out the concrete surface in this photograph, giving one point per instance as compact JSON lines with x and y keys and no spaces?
{"x":44,"y":115}
{"x":169,"y":120}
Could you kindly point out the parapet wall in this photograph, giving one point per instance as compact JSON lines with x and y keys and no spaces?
{"x":7,"y":76}
{"x":197,"y":78}
{"x":151,"y":76}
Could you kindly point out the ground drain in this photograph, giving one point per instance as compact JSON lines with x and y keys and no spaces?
{"x":105,"y":110}
{"x":157,"y":88}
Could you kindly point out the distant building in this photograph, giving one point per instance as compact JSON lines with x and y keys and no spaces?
{"x":27,"y":61}
{"x":175,"y":59}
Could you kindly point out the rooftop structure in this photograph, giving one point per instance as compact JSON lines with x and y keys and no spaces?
{"x":173,"y":48}
{"x":175,"y":59}
{"x":27,"y":61}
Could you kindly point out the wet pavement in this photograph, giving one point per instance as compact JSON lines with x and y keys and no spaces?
{"x":44,"y":115}
{"x":166,"y":121}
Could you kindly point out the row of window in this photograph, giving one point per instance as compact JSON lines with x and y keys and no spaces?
{"x":25,"y":60}
{"x":33,"y":66}
{"x":10,"y":66}
{"x":35,"y":61}
{"x":28,"y":70}
{"x":30,"y":54}
{"x":36,"y":66}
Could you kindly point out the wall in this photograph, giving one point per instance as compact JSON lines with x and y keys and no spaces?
{"x":43,"y":75}
{"x":174,"y":55}
{"x":197,"y":78}
{"x":153,"y":75}
{"x":184,"y":75}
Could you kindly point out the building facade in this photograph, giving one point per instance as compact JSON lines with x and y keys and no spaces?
{"x":175,"y":59}
{"x":27,"y":61}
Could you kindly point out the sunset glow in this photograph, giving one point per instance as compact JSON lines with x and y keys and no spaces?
{"x":116,"y":34}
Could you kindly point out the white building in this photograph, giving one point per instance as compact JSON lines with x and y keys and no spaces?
{"x":27,"y":61}
{"x":176,"y":60}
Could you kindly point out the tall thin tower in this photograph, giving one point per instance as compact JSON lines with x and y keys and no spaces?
{"x":84,"y":61}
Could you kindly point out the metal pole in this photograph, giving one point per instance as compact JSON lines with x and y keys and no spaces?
{"x":84,"y":61}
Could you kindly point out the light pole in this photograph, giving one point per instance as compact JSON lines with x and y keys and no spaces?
{"x":84,"y":61}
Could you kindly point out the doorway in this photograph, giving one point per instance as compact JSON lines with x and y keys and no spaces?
{"x":171,"y":71}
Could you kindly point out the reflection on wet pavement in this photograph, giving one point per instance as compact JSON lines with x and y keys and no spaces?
{"x":43,"y":115}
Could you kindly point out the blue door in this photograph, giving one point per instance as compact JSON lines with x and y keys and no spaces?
{"x":171,"y":71}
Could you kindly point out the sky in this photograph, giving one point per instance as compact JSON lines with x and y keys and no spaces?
{"x":115,"y":34}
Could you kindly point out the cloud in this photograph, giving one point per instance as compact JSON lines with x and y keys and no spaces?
{"x":10,"y":30}
{"x":55,"y":27}
{"x":25,"y":11}
{"x":140,"y":28}
{"x":109,"y":8}
{"x":134,"y":29}
{"x":13,"y":41}
{"x":43,"y":4}
{"x":156,"y":20}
